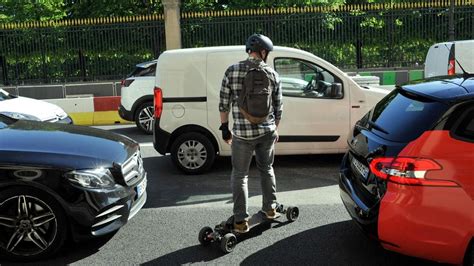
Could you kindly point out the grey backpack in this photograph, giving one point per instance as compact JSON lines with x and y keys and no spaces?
{"x":255,"y":98}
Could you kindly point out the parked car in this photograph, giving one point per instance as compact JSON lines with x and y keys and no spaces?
{"x":320,"y":104}
{"x":61,"y":180}
{"x":136,"y":103}
{"x":31,"y":109}
{"x":449,"y":58}
{"x":407,"y":177}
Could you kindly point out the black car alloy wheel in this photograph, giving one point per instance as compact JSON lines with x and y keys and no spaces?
{"x":144,"y":117}
{"x":32,"y":224}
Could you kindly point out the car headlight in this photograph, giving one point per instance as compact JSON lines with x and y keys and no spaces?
{"x":20,"y":116}
{"x":93,"y":178}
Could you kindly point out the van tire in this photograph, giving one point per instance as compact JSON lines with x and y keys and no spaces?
{"x":193,"y":153}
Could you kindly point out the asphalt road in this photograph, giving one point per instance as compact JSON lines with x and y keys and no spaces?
{"x":165,"y":231}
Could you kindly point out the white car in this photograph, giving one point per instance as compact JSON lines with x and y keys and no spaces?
{"x":25,"y":108}
{"x":136,"y":103}
{"x":320,"y":104}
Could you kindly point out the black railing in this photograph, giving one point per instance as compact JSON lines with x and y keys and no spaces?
{"x":77,"y":53}
{"x":351,"y":37}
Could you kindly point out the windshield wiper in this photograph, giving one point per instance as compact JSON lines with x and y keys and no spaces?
{"x":379,"y":128}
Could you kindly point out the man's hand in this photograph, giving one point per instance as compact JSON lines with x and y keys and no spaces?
{"x":226,"y":134}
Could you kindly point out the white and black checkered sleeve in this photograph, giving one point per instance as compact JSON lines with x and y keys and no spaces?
{"x":225,"y":93}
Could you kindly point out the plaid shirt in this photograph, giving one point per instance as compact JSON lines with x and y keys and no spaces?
{"x":231,"y":87}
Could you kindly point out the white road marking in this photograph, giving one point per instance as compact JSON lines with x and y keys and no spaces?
{"x":146,"y":144}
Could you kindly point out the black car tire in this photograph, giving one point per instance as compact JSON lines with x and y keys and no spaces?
{"x":50,"y":229}
{"x":144,"y":117}
{"x":193,"y":153}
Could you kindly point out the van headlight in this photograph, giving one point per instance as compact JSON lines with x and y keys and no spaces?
{"x":93,"y":178}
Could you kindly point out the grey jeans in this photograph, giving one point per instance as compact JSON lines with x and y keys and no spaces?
{"x":242,"y":151}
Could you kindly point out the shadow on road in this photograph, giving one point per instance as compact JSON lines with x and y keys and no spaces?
{"x":168,"y":186}
{"x":341,"y":243}
{"x":334,"y":244}
{"x":188,"y":255}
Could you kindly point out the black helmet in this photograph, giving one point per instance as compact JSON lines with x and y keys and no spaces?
{"x":258,"y":42}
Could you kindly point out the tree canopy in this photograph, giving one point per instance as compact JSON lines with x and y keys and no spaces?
{"x":34,"y":10}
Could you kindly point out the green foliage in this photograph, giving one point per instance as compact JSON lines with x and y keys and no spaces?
{"x":111,"y":8}
{"x":372,"y":22}
{"x":23,"y":11}
{"x":388,"y":38}
{"x":203,"y":5}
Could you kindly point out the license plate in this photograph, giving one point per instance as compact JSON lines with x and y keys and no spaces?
{"x":362,"y":169}
{"x":141,"y":188}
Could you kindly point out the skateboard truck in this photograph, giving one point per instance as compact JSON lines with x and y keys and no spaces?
{"x":224,"y":235}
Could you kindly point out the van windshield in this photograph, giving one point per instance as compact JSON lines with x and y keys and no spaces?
{"x":402,"y":116}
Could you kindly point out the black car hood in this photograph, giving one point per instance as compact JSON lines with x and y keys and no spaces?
{"x":62,"y":146}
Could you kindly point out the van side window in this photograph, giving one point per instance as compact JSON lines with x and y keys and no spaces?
{"x":465,"y":129}
{"x":301,"y":78}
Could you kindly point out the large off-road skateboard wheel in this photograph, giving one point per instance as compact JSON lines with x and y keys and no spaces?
{"x":205,"y":237}
{"x":292,"y":213}
{"x":228,"y":243}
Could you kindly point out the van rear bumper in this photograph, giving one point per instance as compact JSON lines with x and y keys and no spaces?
{"x":161,"y":138}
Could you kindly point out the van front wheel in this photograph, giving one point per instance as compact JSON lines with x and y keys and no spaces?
{"x":193,"y":153}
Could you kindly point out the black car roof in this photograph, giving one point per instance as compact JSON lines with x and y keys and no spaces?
{"x":444,"y":89}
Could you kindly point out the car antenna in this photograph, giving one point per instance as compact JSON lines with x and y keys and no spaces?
{"x":465,"y":74}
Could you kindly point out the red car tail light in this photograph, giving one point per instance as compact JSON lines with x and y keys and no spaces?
{"x":451,"y":67}
{"x":408,"y":171}
{"x":158,"y":101}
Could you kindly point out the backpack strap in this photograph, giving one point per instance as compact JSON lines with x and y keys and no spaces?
{"x":252,"y":65}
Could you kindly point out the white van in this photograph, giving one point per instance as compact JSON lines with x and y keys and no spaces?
{"x":449,"y":58}
{"x":320,"y":104}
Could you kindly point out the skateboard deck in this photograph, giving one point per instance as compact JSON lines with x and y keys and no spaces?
{"x":258,"y":219}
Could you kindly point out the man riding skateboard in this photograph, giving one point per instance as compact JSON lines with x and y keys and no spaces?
{"x":254,"y":128}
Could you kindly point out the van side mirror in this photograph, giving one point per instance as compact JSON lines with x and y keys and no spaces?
{"x":335,"y":90}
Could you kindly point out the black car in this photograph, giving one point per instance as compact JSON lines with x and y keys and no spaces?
{"x":61,"y":180}
{"x":407,"y":178}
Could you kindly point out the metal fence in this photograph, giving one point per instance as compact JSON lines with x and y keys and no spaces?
{"x":350,"y":36}
{"x":83,"y":50}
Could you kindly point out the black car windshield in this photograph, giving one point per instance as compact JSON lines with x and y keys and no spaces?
{"x":404,"y":116}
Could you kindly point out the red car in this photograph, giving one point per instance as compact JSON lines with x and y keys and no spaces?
{"x":407,"y":178}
